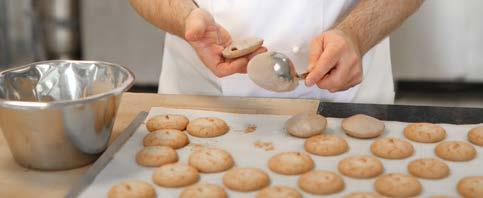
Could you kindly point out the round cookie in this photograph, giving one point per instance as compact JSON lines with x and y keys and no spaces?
{"x":306,"y":125}
{"x":392,"y":148}
{"x":132,"y":189}
{"x":471,"y":186}
{"x":321,"y":182}
{"x":363,"y":166}
{"x":475,"y":136}
{"x":245,"y":179}
{"x":457,"y":151}
{"x":279,"y":192}
{"x":207,"y":127}
{"x":363,"y":195}
{"x":175,"y":175}
{"x":424,"y":132}
{"x":428,"y":168}
{"x":168,"y":121}
{"x":155,"y":156}
{"x":326,"y":145}
{"x":166,"y":137}
{"x":291,"y":163}
{"x":397,"y":185}
{"x":239,"y":48}
{"x":362,"y":126}
{"x":211,"y":160}
{"x":204,"y":190}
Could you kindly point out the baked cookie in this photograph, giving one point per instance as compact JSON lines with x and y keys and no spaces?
{"x":363,"y":195}
{"x":207,"y":127}
{"x":175,"y":175}
{"x":392,"y":148}
{"x":155,"y":156}
{"x":362,"y":126}
{"x":397,"y":185}
{"x":471,"y":186}
{"x":306,"y":125}
{"x":211,"y":160}
{"x":424,"y":132}
{"x":132,"y":189}
{"x":168,"y":121}
{"x":326,"y":145}
{"x":455,"y":151}
{"x":428,"y":168}
{"x":475,"y":136}
{"x":204,"y":190}
{"x":321,"y":182}
{"x":279,"y":192}
{"x":242,"y":47}
{"x":291,"y":163}
{"x":246,"y":179}
{"x":362,"y":166}
{"x":166,"y":137}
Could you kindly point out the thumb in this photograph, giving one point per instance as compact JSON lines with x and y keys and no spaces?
{"x":196,"y":25}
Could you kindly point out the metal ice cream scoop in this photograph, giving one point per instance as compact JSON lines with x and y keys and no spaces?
{"x":283,"y":67}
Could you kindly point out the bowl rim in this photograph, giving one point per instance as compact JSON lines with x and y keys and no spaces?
{"x":13,"y":104}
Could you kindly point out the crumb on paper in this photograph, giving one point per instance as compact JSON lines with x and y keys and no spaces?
{"x":267,"y":146}
{"x":196,"y":147}
{"x":251,"y":128}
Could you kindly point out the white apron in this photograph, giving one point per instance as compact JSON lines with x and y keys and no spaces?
{"x":287,"y":26}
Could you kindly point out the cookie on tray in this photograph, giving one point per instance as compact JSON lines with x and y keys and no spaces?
{"x":132,"y":189}
{"x":166,"y":137}
{"x":207,"y":127}
{"x":167,"y":121}
{"x":475,"y":136}
{"x":362,"y":126}
{"x":175,"y":175}
{"x":279,"y":191}
{"x":457,"y":151}
{"x":211,"y":160}
{"x":362,"y":166}
{"x":204,"y":190}
{"x":291,"y":163}
{"x":428,"y":168}
{"x":392,"y":148}
{"x":246,"y":179}
{"x":424,"y":132}
{"x":326,"y":145}
{"x":321,"y":182}
{"x":155,"y":156}
{"x":242,"y":47}
{"x":471,"y":186}
{"x":397,"y":185}
{"x":306,"y":125}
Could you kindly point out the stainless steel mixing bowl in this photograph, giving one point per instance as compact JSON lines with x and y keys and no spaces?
{"x":59,"y":114}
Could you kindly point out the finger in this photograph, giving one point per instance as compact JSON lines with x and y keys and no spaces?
{"x":195,"y":28}
{"x":324,"y":64}
{"x":338,"y":79}
{"x":228,"y":68}
{"x":315,"y":52}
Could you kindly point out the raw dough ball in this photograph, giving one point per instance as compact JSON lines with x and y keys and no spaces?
{"x":471,"y":186}
{"x":424,"y":132}
{"x":260,"y":70}
{"x":363,"y":166}
{"x":155,"y":156}
{"x":326,"y":145}
{"x":306,"y":125}
{"x":246,"y":179}
{"x":455,"y":151}
{"x":242,"y":47}
{"x":398,"y":185}
{"x":392,"y":148}
{"x":428,"y":168}
{"x":132,"y":189}
{"x":362,"y":126}
{"x":211,"y":160}
{"x":204,"y":190}
{"x":475,"y":136}
{"x":175,"y":175}
{"x":279,"y":192}
{"x":291,"y":163}
{"x":168,"y":121}
{"x":166,"y":137}
{"x":207,"y":127}
{"x":320,"y":182}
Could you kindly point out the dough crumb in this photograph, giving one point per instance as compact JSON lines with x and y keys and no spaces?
{"x":251,"y":128}
{"x":267,"y":146}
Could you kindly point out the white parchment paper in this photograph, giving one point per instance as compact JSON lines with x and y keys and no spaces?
{"x":270,"y":129}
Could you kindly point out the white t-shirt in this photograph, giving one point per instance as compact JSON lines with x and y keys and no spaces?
{"x":287,"y":26}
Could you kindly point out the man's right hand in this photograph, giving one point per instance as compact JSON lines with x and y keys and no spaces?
{"x":209,"y":39}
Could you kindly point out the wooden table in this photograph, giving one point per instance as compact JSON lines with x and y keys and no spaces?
{"x":16,"y":181}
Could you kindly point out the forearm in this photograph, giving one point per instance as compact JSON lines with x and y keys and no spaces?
{"x":372,"y":20}
{"x":168,"y":15}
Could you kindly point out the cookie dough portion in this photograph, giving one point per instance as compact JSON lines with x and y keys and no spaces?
{"x":457,"y":151}
{"x":321,"y":182}
{"x":326,"y":145}
{"x":428,"y":168}
{"x":211,"y":160}
{"x":291,"y":163}
{"x":175,"y":175}
{"x":424,"y":132}
{"x":260,"y":70}
{"x":207,"y":127}
{"x":204,"y":190}
{"x":168,"y":121}
{"x":246,"y":179}
{"x":392,"y":148}
{"x":475,"y":136}
{"x":132,"y":189}
{"x":363,"y":166}
{"x":471,"y":186}
{"x":155,"y":156}
{"x":166,"y":137}
{"x":362,"y":126}
{"x":397,"y":185}
{"x":363,"y":195}
{"x":242,"y":47}
{"x":279,"y":192}
{"x":306,"y":125}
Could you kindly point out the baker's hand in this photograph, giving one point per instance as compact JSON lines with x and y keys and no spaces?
{"x":334,"y":62}
{"x":201,"y":33}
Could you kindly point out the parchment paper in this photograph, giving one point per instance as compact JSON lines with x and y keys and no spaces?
{"x":270,"y":129}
